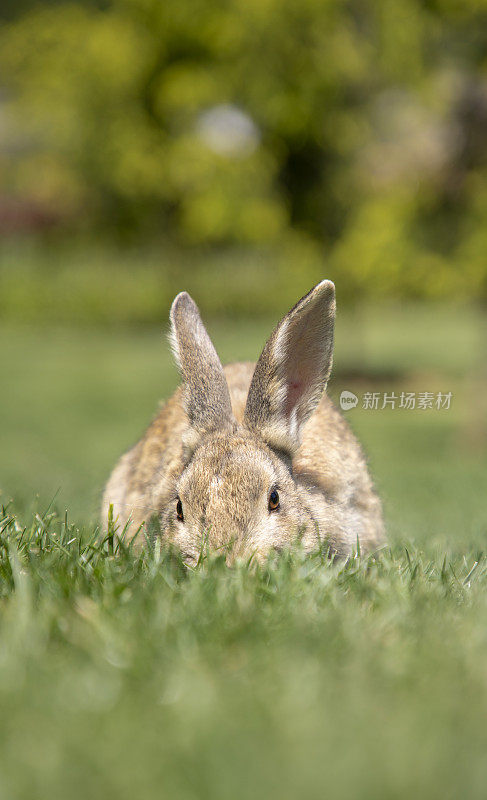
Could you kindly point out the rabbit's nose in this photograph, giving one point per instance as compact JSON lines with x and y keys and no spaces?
{"x":233,"y":553}
{"x":240,"y":553}
{"x":231,"y":548}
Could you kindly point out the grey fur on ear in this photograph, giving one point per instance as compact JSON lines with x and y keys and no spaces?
{"x":293,"y":370}
{"x":206,"y":396}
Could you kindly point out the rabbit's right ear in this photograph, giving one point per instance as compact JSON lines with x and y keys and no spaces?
{"x":206,"y":396}
{"x":293,"y":369}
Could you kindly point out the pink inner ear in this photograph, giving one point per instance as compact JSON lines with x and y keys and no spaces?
{"x":294,"y":392}
{"x":306,"y":357}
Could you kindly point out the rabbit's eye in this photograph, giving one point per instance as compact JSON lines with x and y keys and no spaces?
{"x":179,"y":510}
{"x":274,"y":500}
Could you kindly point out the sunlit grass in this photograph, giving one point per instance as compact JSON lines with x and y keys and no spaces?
{"x":127,"y":675}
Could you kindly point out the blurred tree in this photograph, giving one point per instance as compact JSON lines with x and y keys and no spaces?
{"x":351,"y":128}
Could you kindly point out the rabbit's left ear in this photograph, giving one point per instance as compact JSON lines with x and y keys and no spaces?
{"x":206,"y":396}
{"x":293,"y":370}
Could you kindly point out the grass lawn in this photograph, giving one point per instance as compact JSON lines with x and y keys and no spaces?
{"x":127,"y":677}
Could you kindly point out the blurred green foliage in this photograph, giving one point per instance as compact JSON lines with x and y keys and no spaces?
{"x":345,"y":138}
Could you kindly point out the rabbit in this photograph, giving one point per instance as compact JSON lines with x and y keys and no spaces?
{"x":250,"y":458}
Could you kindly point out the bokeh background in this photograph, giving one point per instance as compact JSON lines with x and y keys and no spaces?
{"x":243,"y":150}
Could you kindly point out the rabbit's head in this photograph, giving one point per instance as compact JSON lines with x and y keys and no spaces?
{"x":237,"y":491}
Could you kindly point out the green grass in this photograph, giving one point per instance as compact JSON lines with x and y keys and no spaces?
{"x":126,"y":676}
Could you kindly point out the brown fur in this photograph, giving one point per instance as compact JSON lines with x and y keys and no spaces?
{"x":228,"y":436}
